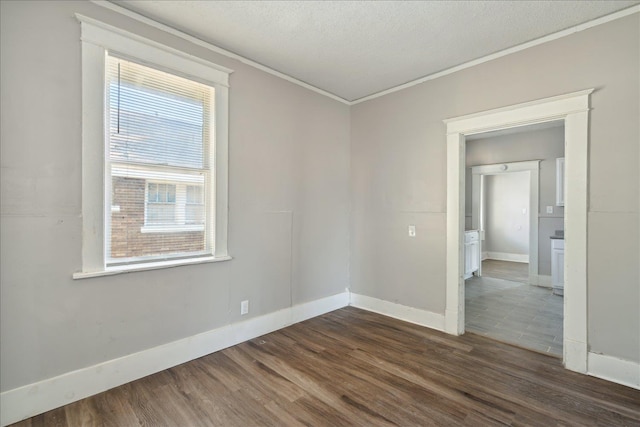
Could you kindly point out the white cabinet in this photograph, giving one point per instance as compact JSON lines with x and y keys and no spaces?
{"x":557,"y":266}
{"x":560,"y":182}
{"x":471,"y":253}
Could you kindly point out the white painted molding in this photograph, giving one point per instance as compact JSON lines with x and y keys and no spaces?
{"x":113,"y":38}
{"x":613,"y":369}
{"x":36,"y":398}
{"x":509,"y":51}
{"x":209,"y":46}
{"x":573,"y":109}
{"x":213,"y":48}
{"x":508,"y":167}
{"x":526,"y":113}
{"x":504,"y":256}
{"x":533,"y":169}
{"x":98,"y":38}
{"x":399,"y":311}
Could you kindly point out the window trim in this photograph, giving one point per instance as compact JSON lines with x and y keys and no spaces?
{"x":97,"y":38}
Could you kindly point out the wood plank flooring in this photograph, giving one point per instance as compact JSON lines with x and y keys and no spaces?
{"x":518,"y":313}
{"x":507,"y":270}
{"x":352,"y":367}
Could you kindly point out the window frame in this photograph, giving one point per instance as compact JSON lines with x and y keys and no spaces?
{"x":97,"y":38}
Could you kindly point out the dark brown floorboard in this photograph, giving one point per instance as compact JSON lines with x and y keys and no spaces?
{"x":353,"y":367}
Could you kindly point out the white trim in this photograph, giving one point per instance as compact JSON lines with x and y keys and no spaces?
{"x":504,"y":256}
{"x":149,"y":174}
{"x":27,"y":401}
{"x":93,"y":179}
{"x":98,"y":37}
{"x":398,"y":311}
{"x":500,"y":168}
{"x":538,"y":111}
{"x":129,"y":268}
{"x":201,"y":43}
{"x":531,"y":166}
{"x":198,"y":42}
{"x":135,"y":46}
{"x":171,"y":228}
{"x":509,"y":51}
{"x":613,"y":369}
{"x":573,"y":108}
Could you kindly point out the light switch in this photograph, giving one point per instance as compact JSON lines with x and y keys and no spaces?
{"x":412,"y":231}
{"x":549,"y":209}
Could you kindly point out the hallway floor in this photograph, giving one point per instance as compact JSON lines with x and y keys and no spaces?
{"x":513,"y":312}
{"x":507,"y":270}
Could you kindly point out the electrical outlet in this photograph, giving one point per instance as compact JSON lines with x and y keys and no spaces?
{"x":412,"y":231}
{"x":244,"y":307}
{"x":549,"y":209}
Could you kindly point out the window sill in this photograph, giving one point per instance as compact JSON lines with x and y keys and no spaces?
{"x":171,"y":228}
{"x":110,"y":271}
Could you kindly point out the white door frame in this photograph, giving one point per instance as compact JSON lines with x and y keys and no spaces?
{"x":573,"y":108}
{"x":531,"y":166}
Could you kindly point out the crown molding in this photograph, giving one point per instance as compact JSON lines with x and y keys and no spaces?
{"x":180,"y":34}
{"x":581,"y":27}
{"x":213,"y":48}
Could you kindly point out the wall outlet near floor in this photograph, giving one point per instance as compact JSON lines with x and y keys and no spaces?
{"x":549,"y":209}
{"x":412,"y":231}
{"x":244,"y":307}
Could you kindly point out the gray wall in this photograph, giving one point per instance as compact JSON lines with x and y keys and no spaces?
{"x":289,"y":204}
{"x":290,"y":178}
{"x":546,"y":145}
{"x":506,"y":224}
{"x":398,"y":174}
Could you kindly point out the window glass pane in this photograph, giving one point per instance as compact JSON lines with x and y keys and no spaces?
{"x":148,"y":124}
{"x":194,"y":194}
{"x":171,"y":193}
{"x":153,"y":192}
{"x":159,"y":131}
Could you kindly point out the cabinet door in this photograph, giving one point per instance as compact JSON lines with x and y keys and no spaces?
{"x":467,"y":260}
{"x":474,"y":250}
{"x":557,"y":267}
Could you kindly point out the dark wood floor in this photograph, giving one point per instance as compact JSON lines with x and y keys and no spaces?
{"x":352,"y":367}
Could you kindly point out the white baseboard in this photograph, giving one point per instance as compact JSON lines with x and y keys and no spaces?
{"x":504,"y":256}
{"x":616,"y":370}
{"x":541,"y":280}
{"x":36,"y":398}
{"x":399,"y":311}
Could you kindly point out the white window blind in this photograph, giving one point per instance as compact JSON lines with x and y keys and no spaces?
{"x":160,"y":128}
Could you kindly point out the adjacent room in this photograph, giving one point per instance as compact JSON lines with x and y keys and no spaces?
{"x":319,"y":213}
{"x":510,"y":295}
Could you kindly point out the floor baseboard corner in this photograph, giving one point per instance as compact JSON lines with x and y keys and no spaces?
{"x":610,"y":368}
{"x":398,"y":311}
{"x":33,"y":399}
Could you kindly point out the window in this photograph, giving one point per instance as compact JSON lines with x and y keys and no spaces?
{"x":194,"y":207}
{"x":173,"y":208}
{"x":161,"y":204}
{"x":155,"y":121}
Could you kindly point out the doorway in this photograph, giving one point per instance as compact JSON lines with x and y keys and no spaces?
{"x":573,"y":109}
{"x":504,"y":209}
{"x":504,"y":301}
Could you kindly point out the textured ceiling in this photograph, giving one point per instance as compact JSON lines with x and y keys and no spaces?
{"x":358,"y":48}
